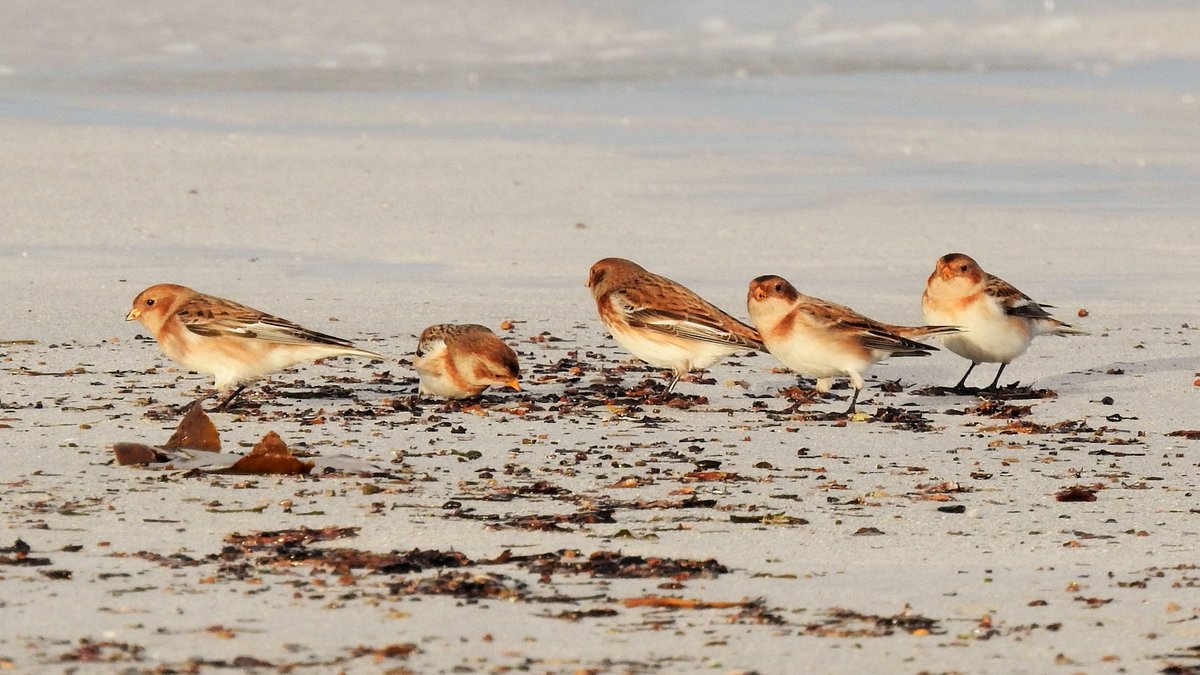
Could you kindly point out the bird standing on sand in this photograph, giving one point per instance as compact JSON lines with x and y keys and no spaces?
{"x":662,"y":322}
{"x":998,"y":321}
{"x":825,"y":340}
{"x":460,"y":361}
{"x":233,"y":342}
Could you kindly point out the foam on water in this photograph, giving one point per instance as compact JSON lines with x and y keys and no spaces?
{"x":368,"y":45}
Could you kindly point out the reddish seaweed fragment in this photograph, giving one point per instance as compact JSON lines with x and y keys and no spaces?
{"x":342,"y":560}
{"x":994,"y":408}
{"x":552,"y":523}
{"x":238,"y":663}
{"x":267,"y":538}
{"x":579,"y":614}
{"x":1012,"y":392}
{"x":19,"y":546}
{"x":399,"y":650}
{"x":712,"y":477}
{"x":173,"y":561}
{"x":137,"y":453}
{"x":21,"y":556}
{"x":542,"y":487}
{"x":468,"y":585}
{"x":1076,"y":493}
{"x":852,"y":624}
{"x":617,"y":565}
{"x":671,"y":602}
{"x":196,"y":431}
{"x":1027,"y":427}
{"x":1190,"y":434}
{"x":768,"y":519}
{"x":106,"y":651}
{"x":908,"y":420}
{"x":270,"y":456}
{"x":544,"y":523}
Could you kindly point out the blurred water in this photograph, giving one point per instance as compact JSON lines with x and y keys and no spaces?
{"x":369,"y":45}
{"x":790,"y":84}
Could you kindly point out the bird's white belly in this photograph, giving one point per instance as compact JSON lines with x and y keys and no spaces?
{"x":670,"y":352}
{"x":432,"y":369}
{"x":989,"y":335}
{"x":438,"y":385}
{"x":235,"y":361}
{"x":814,"y":357}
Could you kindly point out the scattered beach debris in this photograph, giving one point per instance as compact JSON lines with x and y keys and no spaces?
{"x":669,"y":602}
{"x":196,"y":431}
{"x":1012,"y":392}
{"x":270,"y":456}
{"x":196,"y":445}
{"x":847,"y":623}
{"x":1076,"y":493}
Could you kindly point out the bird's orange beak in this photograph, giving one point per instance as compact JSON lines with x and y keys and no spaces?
{"x":513,"y":384}
{"x":759,"y":294}
{"x":133,"y":314}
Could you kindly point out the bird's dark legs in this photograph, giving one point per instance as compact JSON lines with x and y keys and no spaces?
{"x":674,"y":380}
{"x":853,"y":401}
{"x":962,"y":384}
{"x":229,"y":399}
{"x":992,"y":386}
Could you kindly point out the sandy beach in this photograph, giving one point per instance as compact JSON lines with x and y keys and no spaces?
{"x":369,"y":173}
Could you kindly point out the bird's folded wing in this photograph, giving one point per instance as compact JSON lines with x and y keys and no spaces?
{"x":695,"y":319}
{"x":1014,"y":302}
{"x":869,"y":333}
{"x":882,"y":340}
{"x":211,"y":317}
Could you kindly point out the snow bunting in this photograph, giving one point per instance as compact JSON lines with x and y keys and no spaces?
{"x":662,"y":322}
{"x":998,"y":321}
{"x":235,"y":343}
{"x":460,"y":361}
{"x":825,"y":340}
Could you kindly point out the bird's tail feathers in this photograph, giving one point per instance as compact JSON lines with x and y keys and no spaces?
{"x":1064,"y":329}
{"x":355,"y":351}
{"x":918,"y":332}
{"x":748,"y":336}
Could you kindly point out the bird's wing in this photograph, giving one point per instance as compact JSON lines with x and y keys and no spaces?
{"x":677,"y":311}
{"x":870,"y":333}
{"x":216,"y":317}
{"x":1014,"y":302}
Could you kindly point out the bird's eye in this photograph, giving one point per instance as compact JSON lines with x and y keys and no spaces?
{"x":149,"y":302}
{"x":962,"y":268}
{"x":778,"y":288}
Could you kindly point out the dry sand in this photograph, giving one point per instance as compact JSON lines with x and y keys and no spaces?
{"x":930,"y":541}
